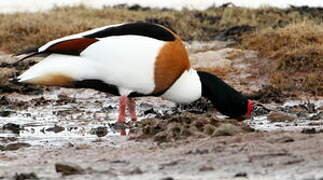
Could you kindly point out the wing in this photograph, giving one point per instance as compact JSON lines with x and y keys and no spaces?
{"x":77,"y":43}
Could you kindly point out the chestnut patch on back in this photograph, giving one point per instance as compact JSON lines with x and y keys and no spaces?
{"x":171,"y":62}
{"x":71,"y":47}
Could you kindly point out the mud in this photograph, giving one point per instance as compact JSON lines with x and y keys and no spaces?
{"x":81,"y":140}
{"x":185,"y":126}
{"x":58,"y":133}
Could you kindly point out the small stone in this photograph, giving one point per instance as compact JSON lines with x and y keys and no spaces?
{"x":119,"y":162}
{"x":134,"y":171}
{"x":167,"y":178}
{"x":206,"y":168}
{"x":241,"y":174}
{"x":23,"y":176}
{"x":56,"y":129}
{"x":5,"y":113}
{"x":296,"y":109}
{"x":280,"y":117}
{"x":99,"y":131}
{"x":68,"y":169}
{"x":309,"y":131}
{"x":2,"y":147}
{"x":15,"y":128}
{"x":284,"y":139}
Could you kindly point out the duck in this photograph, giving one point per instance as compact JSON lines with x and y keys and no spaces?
{"x":131,"y":60}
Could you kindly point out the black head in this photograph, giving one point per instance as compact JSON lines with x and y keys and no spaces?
{"x":225,"y":99}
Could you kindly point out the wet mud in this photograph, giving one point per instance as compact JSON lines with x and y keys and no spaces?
{"x":58,"y":133}
{"x":187,"y":125}
{"x":72,"y":134}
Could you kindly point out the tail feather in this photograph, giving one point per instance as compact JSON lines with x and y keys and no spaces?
{"x":31,"y":52}
{"x":58,"y":70}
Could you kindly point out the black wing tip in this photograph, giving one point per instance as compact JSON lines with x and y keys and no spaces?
{"x":31,"y":55}
{"x":147,"y":29}
{"x":33,"y":50}
{"x":30,"y":51}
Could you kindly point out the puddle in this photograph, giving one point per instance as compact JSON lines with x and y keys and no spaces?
{"x":305,"y":118}
{"x":51,"y":121}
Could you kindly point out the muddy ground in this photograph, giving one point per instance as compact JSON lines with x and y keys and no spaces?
{"x":58,"y":133}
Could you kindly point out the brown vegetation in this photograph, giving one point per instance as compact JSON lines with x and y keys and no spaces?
{"x":23,"y":30}
{"x":296,"y":52}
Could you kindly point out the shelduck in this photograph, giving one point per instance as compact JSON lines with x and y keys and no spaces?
{"x":131,"y":60}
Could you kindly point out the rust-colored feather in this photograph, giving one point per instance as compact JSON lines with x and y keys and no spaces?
{"x":73,"y":44}
{"x":171,"y":62}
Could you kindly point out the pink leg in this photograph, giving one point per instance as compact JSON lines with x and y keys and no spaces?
{"x":123,"y":132}
{"x":123,"y":100}
{"x":132,"y":109}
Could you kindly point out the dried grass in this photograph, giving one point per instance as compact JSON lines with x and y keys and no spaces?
{"x":23,"y":30}
{"x":296,"y":52}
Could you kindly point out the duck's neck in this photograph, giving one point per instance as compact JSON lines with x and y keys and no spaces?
{"x":225,"y":99}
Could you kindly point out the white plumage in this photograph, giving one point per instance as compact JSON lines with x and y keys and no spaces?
{"x":186,"y":89}
{"x":126,"y":61}
{"x":76,"y":67}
